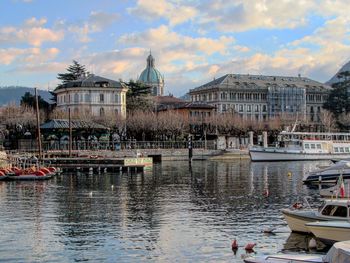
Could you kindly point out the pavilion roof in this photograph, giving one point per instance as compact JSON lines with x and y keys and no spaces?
{"x":76,"y":124}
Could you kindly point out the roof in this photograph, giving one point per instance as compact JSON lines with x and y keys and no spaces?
{"x":186,"y":105}
{"x":261,"y":81}
{"x":150,"y":74}
{"x":91,"y":81}
{"x":167,"y":100}
{"x":76,"y":124}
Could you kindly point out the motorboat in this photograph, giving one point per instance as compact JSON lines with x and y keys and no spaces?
{"x":339,"y":253}
{"x":287,"y":258}
{"x":302,"y":146}
{"x":32,"y":173}
{"x":329,"y":174}
{"x":30,"y":177}
{"x":334,"y":191}
{"x":330,"y":231}
{"x":331,"y":209}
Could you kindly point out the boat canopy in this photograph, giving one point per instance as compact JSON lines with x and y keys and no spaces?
{"x":287,"y":136}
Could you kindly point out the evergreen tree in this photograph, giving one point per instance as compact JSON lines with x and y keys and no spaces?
{"x":75,"y":71}
{"x":138,"y":97}
{"x":338,"y":101}
{"x":28,"y":99}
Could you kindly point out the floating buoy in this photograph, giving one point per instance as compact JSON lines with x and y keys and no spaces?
{"x":234,"y":244}
{"x":250,"y":246}
{"x":312,"y":243}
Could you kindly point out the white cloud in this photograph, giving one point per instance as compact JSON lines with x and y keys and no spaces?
{"x":173,"y":11}
{"x":27,"y":56}
{"x":31,"y":32}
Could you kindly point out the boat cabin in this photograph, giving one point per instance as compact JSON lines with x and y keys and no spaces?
{"x":316,"y":142}
{"x":335,"y":209}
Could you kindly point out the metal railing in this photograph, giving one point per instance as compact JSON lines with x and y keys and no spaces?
{"x":126,"y":145}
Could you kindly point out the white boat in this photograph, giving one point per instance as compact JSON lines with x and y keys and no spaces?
{"x":302,"y":146}
{"x":339,"y":253}
{"x":330,"y":231}
{"x":336,"y":209}
{"x":329,"y":174}
{"x":286,"y":258}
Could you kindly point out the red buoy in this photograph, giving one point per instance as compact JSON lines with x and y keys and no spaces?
{"x":234,"y":244}
{"x":250,"y":246}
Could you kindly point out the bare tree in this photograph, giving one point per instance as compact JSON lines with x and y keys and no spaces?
{"x":328,"y":121}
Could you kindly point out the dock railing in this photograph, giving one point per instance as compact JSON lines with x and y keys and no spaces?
{"x":123,"y":145}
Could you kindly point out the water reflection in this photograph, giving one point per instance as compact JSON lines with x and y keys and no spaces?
{"x":176,"y":212}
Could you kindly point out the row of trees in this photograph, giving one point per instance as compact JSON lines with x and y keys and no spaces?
{"x":143,"y":123}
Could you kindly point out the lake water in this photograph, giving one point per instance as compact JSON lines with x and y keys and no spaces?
{"x":175,"y":213}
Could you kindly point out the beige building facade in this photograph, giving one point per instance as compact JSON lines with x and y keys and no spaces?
{"x":92,"y":95}
{"x":264,"y":97}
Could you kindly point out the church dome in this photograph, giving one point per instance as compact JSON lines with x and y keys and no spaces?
{"x":150,"y":75}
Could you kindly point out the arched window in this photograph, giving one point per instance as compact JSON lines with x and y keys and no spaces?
{"x":102,"y":112}
{"x":76,"y":97}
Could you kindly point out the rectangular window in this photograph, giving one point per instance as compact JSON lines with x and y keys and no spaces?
{"x":116,"y":98}
{"x":341,"y":149}
{"x":240,"y":108}
{"x":313,"y":146}
{"x":336,"y":149}
{"x":347,"y":149}
{"x":307,"y":146}
{"x":102,"y":97}
{"x":249,"y":108}
{"x":318,"y":146}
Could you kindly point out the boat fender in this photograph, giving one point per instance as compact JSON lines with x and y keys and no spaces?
{"x":2,"y":173}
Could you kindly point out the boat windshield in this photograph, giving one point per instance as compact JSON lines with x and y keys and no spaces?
{"x":321,"y":206}
{"x":335,"y":210}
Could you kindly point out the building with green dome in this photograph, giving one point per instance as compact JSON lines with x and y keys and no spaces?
{"x":152,"y":77}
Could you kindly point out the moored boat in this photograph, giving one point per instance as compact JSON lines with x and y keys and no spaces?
{"x":336,"y":209}
{"x":301,"y":146}
{"x":339,"y":253}
{"x":335,"y":191}
{"x":42,"y":173}
{"x":329,"y":174}
{"x":330,"y":231}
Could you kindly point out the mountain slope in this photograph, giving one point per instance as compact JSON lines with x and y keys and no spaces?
{"x":335,"y":79}
{"x":14,"y":94}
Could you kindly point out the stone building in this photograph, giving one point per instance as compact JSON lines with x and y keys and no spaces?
{"x":152,"y":77}
{"x":92,"y":95}
{"x":264,"y":97}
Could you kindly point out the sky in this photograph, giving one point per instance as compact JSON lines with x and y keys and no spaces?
{"x":192,"y":41}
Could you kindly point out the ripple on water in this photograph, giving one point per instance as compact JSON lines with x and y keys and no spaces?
{"x":172,"y":214}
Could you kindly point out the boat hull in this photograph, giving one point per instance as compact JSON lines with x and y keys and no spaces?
{"x":261,"y":155}
{"x":330,"y":232}
{"x":29,"y":177}
{"x":297,"y":219}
